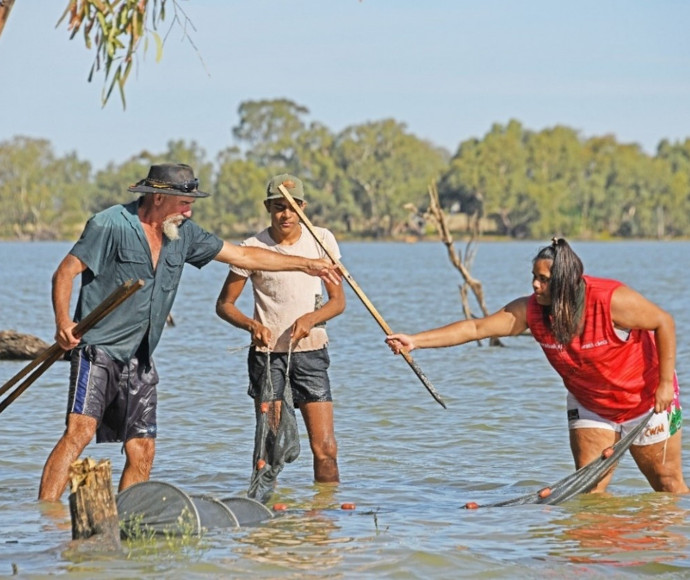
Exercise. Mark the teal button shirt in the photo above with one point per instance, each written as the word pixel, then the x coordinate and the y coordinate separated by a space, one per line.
pixel 114 248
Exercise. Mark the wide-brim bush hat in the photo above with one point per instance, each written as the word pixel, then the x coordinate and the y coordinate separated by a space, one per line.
pixel 169 178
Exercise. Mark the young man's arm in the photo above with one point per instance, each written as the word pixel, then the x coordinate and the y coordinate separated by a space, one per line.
pixel 228 311
pixel 335 306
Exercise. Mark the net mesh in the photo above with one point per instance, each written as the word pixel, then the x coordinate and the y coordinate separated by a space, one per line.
pixel 276 438
pixel 582 480
pixel 166 509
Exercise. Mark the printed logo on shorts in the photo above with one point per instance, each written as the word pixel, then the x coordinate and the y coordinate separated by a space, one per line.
pixel 655 430
pixel 573 414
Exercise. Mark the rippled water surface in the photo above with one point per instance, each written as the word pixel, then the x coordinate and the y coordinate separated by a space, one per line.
pixel 407 464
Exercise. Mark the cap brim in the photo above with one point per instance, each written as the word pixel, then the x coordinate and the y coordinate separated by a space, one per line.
pixel 147 189
pixel 280 196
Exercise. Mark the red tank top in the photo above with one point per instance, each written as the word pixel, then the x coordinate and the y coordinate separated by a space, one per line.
pixel 615 378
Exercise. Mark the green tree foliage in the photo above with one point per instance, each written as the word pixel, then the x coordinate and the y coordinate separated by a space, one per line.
pixel 387 168
pixel 554 161
pixel 358 180
pixel 362 180
pixel 277 136
pixel 491 177
pixel 553 182
pixel 270 131
pixel 676 214
pixel 238 195
pixel 42 195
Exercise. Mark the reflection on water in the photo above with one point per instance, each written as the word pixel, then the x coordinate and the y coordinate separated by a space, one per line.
pixel 407 464
pixel 288 540
pixel 278 543
pixel 56 515
pixel 624 531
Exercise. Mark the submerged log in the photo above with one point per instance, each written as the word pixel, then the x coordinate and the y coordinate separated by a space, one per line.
pixel 95 522
pixel 17 346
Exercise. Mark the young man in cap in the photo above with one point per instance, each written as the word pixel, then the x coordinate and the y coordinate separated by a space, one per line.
pixel 113 379
pixel 289 321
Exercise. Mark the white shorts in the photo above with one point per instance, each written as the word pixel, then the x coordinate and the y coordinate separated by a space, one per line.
pixel 660 427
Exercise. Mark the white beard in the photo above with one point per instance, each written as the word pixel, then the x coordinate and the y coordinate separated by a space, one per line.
pixel 171 228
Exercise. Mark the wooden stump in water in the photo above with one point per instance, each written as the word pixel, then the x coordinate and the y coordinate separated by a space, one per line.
pixel 95 522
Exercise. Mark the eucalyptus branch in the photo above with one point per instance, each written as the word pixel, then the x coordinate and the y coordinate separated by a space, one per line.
pixel 116 28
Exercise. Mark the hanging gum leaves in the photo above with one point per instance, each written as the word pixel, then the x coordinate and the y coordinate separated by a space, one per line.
pixel 115 28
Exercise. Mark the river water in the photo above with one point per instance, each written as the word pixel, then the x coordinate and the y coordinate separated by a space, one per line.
pixel 407 464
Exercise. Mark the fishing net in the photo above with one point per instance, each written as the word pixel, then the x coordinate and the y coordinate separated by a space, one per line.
pixel 165 509
pixel 582 480
pixel 157 506
pixel 247 511
pixel 276 438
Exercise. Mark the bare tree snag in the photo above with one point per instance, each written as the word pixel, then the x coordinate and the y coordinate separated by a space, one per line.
pixel 95 522
pixel 436 214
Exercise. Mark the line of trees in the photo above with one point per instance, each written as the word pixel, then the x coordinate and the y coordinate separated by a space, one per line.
pixel 363 180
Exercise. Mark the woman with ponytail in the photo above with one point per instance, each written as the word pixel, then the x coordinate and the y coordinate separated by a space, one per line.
pixel 614 349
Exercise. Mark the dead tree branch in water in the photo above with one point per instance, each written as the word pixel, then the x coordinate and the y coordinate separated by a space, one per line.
pixel 436 214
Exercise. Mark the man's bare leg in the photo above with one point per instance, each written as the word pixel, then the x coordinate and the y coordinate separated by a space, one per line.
pixel 80 431
pixel 139 455
pixel 318 418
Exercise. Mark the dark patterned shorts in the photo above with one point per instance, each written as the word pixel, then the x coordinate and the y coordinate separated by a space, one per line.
pixel 121 397
pixel 308 375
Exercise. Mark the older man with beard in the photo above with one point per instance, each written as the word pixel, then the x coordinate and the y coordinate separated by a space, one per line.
pixel 113 378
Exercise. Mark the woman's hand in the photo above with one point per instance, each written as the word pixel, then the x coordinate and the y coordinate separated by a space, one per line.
pixel 664 396
pixel 399 342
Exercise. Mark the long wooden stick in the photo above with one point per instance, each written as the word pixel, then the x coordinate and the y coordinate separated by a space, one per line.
pixel 96 314
pixel 367 303
pixel 54 352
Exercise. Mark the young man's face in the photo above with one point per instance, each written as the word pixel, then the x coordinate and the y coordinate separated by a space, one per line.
pixel 283 219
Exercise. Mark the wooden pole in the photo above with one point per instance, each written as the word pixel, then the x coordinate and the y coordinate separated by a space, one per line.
pixel 54 352
pixel 92 505
pixel 360 294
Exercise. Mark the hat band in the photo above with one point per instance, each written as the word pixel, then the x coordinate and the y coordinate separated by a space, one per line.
pixel 185 186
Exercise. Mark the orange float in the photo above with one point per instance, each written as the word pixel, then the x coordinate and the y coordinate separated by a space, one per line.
pixel 471 505
pixel 348 506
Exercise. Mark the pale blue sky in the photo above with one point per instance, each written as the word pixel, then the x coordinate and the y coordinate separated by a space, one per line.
pixel 449 69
